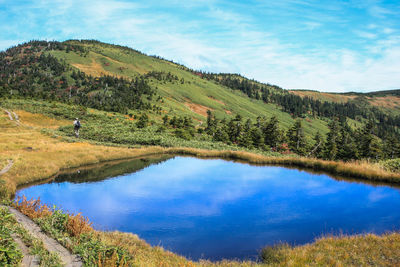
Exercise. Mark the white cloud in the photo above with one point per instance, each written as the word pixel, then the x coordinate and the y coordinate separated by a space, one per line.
pixel 368 35
pixel 388 30
pixel 312 25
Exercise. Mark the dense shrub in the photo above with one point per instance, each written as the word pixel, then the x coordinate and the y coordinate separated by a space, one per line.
pixel 392 165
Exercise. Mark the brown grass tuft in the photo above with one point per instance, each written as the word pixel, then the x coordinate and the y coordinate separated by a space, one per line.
pixel 32 208
pixel 78 224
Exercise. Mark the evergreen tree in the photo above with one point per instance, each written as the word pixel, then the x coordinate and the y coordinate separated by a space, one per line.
pixel 375 148
pixel 331 145
pixel 347 146
pixel 296 138
pixel 211 123
pixel 366 139
pixel 318 146
pixel 392 147
pixel 272 133
pixel 235 128
pixel 257 137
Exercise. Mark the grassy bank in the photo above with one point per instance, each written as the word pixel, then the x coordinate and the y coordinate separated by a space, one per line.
pixel 358 250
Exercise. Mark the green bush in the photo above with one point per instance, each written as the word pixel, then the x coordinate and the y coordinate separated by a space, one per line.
pixel 184 134
pixel 391 165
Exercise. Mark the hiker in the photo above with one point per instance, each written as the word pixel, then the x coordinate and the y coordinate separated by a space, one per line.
pixel 77 125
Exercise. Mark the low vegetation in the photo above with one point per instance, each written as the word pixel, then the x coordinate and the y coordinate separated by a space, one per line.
pixel 392 165
pixel 10 254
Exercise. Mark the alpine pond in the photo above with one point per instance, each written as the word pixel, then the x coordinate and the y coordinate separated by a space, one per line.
pixel 216 209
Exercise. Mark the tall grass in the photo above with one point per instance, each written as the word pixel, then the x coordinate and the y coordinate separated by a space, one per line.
pixel 357 250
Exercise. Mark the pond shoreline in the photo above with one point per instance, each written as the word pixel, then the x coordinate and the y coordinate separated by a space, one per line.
pixel 224 196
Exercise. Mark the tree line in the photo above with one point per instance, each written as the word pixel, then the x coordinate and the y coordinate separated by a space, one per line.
pixel 341 143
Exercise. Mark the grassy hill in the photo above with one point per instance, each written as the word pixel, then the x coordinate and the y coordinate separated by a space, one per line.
pixel 193 97
pixel 132 93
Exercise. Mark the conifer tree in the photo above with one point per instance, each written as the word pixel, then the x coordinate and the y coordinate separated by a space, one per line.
pixel 331 145
pixel 297 141
pixel 318 146
pixel 272 133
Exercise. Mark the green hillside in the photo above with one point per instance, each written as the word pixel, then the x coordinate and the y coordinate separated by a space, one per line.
pixel 191 98
pixel 125 97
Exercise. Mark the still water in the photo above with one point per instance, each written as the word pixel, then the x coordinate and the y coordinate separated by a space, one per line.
pixel 214 209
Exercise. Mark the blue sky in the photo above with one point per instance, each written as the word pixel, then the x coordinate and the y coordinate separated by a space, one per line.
pixel 321 45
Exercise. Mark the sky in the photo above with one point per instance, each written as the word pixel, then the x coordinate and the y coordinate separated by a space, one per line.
pixel 332 46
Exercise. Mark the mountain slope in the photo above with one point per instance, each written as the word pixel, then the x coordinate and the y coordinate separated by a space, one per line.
pixel 192 98
pixel 158 102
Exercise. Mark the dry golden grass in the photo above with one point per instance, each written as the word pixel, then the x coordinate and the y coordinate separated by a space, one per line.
pixel 3 162
pixel 146 255
pixel 392 102
pixel 337 98
pixel 39 121
pixel 94 68
pixel 359 250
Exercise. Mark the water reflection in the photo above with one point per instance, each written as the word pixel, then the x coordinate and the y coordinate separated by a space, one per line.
pixel 218 209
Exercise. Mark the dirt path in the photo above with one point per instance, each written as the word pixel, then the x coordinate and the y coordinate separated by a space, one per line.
pixel 50 244
pixel 28 260
pixel 9 114
pixel 12 116
pixel 7 168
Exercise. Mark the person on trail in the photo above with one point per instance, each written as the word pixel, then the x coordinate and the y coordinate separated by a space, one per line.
pixel 77 125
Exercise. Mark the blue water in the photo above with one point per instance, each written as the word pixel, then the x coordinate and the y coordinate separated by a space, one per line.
pixel 216 209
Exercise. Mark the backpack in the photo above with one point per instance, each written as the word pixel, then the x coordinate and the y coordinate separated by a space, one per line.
pixel 77 124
